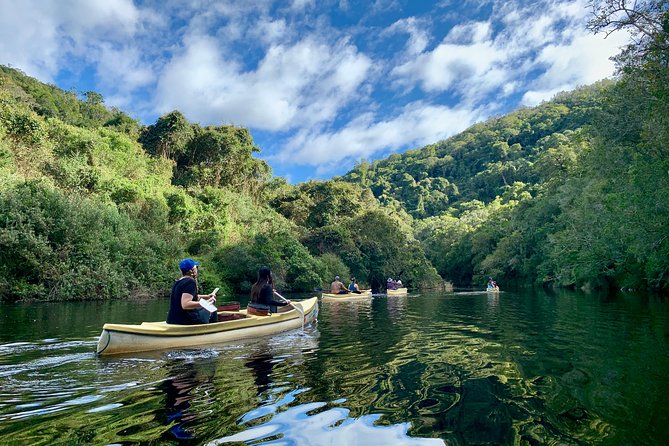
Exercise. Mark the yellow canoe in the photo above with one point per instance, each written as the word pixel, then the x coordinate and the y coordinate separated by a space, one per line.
pixel 365 294
pixel 397 292
pixel 492 289
pixel 119 338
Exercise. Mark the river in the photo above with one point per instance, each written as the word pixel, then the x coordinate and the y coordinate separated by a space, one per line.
pixel 457 368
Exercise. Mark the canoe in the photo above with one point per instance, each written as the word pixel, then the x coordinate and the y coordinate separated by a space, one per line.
pixel 397 292
pixel 119 338
pixel 366 294
pixel 492 289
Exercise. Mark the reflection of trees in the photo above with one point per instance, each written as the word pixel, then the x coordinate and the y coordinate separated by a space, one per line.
pixel 440 376
pixel 261 363
pixel 397 306
pixel 179 394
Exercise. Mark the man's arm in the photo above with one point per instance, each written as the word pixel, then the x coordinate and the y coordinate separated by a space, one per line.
pixel 187 302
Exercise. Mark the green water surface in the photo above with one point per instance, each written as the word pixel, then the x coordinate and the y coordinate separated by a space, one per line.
pixel 462 368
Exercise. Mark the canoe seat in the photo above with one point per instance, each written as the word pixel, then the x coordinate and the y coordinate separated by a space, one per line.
pixel 228 306
pixel 223 317
pixel 256 311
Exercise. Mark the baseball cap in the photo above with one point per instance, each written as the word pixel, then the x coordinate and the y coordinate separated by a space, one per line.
pixel 187 264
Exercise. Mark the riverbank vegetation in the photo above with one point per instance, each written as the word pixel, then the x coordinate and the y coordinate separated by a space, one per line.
pixel 572 192
pixel 95 205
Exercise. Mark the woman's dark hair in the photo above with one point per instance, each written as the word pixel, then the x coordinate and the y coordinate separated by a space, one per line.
pixel 264 278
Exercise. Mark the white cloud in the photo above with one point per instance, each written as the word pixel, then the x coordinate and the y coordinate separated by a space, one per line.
pixel 581 61
pixel 123 67
pixel 301 4
pixel 293 85
pixel 466 60
pixel 367 136
pixel 38 36
pixel 418 35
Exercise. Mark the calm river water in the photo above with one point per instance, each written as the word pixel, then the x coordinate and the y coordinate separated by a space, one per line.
pixel 525 368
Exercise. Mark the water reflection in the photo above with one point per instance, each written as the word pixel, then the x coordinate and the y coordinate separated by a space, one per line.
pixel 459 368
pixel 317 424
pixel 179 394
pixel 261 363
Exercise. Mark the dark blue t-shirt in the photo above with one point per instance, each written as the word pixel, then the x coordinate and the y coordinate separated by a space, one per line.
pixel 176 314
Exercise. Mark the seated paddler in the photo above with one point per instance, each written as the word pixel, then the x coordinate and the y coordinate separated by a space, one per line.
pixel 185 308
pixel 262 295
pixel 353 287
pixel 338 287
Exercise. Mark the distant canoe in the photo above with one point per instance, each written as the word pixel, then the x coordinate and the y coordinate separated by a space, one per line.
pixel 397 292
pixel 119 338
pixel 492 289
pixel 365 294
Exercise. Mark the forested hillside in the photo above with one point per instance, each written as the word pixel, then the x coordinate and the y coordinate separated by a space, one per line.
pixel 572 192
pixel 94 205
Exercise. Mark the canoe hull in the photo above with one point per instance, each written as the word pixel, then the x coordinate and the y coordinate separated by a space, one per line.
pixel 116 339
pixel 346 297
pixel 397 292
pixel 492 290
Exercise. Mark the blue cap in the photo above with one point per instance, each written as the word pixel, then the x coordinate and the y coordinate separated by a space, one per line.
pixel 187 264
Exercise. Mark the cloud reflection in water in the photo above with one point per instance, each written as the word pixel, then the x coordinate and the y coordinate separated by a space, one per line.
pixel 296 426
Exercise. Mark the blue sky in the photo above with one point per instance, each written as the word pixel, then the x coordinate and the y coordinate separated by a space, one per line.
pixel 321 84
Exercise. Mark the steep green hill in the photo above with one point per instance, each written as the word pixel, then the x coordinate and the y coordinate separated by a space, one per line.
pixel 483 161
pixel 571 193
pixel 93 205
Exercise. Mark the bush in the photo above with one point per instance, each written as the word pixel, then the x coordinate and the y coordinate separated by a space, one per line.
pixel 65 247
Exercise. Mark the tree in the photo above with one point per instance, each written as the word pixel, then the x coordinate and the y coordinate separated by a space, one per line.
pixel 646 20
pixel 168 137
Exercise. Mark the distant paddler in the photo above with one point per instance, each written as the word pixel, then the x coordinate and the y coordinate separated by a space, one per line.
pixel 338 287
pixel 492 285
pixel 353 287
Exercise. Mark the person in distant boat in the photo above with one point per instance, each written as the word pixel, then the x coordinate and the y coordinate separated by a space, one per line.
pixel 390 284
pixel 338 287
pixel 184 306
pixel 398 284
pixel 262 294
pixel 353 287
pixel 491 283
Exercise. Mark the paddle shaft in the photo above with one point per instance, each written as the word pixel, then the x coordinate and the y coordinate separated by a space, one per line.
pixel 299 310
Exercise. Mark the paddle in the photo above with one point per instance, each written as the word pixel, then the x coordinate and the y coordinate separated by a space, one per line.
pixel 299 309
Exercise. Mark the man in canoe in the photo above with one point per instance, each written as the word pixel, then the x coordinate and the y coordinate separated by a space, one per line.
pixel 185 308
pixel 338 287
pixel 390 284
pixel 353 287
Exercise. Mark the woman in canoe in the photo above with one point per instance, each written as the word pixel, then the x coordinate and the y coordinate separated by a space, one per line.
pixel 262 294
pixel 185 308
pixel 353 287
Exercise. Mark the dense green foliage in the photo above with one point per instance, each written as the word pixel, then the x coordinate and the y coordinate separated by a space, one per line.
pixel 95 206
pixel 572 192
